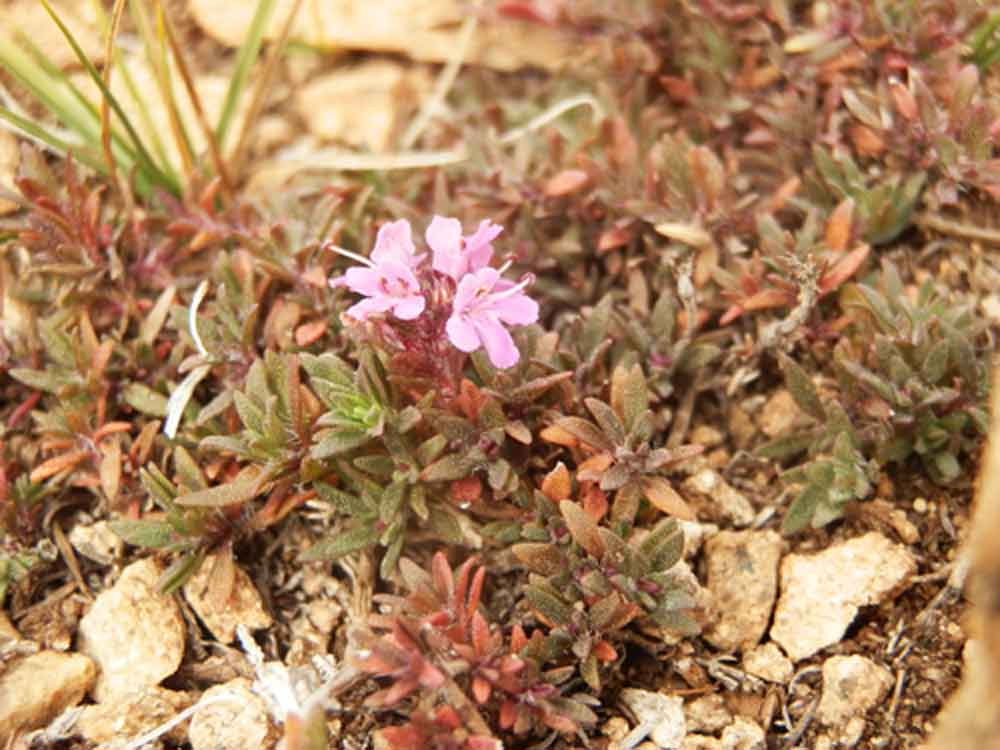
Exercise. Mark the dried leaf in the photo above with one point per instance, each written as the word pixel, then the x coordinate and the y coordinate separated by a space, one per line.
pixel 582 528
pixel 566 182
pixel 665 498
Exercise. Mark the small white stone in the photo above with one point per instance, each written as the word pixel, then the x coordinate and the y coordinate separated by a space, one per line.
pixel 238 722
pixel 768 663
pixel 134 633
pixel 660 717
pixel 821 593
pixel 695 533
pixel 707 714
pixel 243 606
pixel 701 742
pixel 851 686
pixel 779 415
pixel 731 504
pixel 135 715
pixel 615 728
pixel 852 733
pixel 37 688
pixel 743 579
pixel 743 734
pixel 96 542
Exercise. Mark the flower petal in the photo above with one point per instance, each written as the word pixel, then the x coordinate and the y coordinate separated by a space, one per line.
pixel 444 236
pixel 478 250
pixel 462 334
pixel 369 306
pixel 362 281
pixel 395 242
pixel 409 308
pixel 498 342
pixel 518 309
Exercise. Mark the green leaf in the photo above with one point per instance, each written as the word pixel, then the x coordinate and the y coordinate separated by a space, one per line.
pixel 663 546
pixel 786 447
pixel 342 543
pixel 802 509
pixel 231 493
pixel 609 422
pixel 449 468
pixel 548 602
pixel 152 534
pixel 540 557
pixel 801 387
pixel 337 442
pixel 348 504
pixel 531 391
pixel 180 572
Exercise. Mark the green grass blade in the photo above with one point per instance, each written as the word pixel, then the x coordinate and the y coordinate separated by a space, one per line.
pixel 245 59
pixel 156 143
pixel 48 91
pixel 143 158
pixel 33 131
pixel 125 156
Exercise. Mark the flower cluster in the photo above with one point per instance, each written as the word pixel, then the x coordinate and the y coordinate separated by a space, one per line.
pixel 459 296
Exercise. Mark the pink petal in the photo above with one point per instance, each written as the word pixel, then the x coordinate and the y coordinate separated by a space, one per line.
pixel 409 308
pixel 370 305
pixel 498 342
pixel 478 250
pixel 517 310
pixel 394 242
pixel 362 281
pixel 444 236
pixel 465 294
pixel 462 334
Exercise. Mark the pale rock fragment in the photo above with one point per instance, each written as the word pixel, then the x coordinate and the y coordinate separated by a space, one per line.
pixel 243 605
pixel 233 718
pixel 707 714
pixel 731 504
pixel 743 580
pixel 364 105
pixel 821 593
pixel 34 690
pixel 660 717
pixel 97 542
pixel 695 533
pixel 7 630
pixel 701 742
pixel 425 30
pixel 768 663
pixel 134 715
pixel 134 633
pixel 743 734
pixel 851 686
pixel 779 415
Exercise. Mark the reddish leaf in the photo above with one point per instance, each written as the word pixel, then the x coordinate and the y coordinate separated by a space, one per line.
pixel 567 182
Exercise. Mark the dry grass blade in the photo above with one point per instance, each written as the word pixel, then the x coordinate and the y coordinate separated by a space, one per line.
pixel 116 18
pixel 199 110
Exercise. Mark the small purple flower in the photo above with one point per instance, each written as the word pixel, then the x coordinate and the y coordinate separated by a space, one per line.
pixel 483 304
pixel 455 255
pixel 388 279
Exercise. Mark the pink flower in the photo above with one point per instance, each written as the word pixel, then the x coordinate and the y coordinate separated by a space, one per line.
pixel 388 279
pixel 456 256
pixel 483 304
